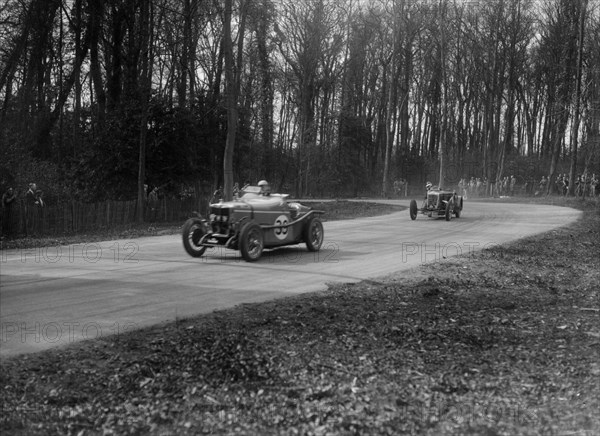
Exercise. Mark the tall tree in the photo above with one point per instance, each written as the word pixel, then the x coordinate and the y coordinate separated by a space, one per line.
pixel 562 35
pixel 144 93
pixel 577 97
pixel 233 71
pixel 391 94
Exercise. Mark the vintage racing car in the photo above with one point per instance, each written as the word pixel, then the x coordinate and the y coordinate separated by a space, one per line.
pixel 439 202
pixel 253 222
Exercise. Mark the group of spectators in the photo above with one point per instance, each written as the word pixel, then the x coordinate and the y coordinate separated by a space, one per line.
pixel 474 187
pixel 33 202
pixel 585 185
pixel 507 186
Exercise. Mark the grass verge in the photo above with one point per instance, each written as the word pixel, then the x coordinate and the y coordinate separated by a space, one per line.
pixel 503 341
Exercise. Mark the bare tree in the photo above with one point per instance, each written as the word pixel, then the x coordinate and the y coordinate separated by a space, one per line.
pixel 146 14
pixel 577 97
pixel 232 88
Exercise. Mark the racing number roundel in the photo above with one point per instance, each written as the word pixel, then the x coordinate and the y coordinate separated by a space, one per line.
pixel 281 232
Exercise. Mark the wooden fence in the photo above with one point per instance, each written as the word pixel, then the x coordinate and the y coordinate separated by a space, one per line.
pixel 75 217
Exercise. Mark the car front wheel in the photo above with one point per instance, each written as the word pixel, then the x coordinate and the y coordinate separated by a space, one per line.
pixel 251 242
pixel 449 207
pixel 313 234
pixel 193 231
pixel 413 210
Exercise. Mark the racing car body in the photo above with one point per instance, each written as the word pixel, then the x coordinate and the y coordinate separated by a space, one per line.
pixel 253 222
pixel 437 203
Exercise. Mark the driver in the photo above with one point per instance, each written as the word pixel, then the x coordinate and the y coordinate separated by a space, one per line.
pixel 265 188
pixel 428 186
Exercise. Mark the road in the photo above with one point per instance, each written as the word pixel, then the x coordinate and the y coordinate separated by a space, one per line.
pixel 57 295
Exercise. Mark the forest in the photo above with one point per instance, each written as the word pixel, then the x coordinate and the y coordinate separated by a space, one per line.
pixel 108 99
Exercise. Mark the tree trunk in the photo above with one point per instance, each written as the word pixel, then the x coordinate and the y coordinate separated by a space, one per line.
pixel 145 89
pixel 577 103
pixel 232 86
pixel 186 45
pixel 96 19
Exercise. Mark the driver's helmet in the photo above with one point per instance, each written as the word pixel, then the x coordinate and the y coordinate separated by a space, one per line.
pixel 265 188
pixel 428 185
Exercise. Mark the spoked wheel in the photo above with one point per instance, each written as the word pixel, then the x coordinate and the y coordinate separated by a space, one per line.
pixel 193 231
pixel 449 207
pixel 413 210
pixel 313 234
pixel 251 242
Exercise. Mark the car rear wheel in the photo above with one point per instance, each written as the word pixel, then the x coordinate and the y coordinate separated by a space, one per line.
pixel 313 234
pixel 193 231
pixel 251 242
pixel 413 210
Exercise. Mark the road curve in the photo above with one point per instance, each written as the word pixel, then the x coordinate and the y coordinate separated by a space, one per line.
pixel 57 295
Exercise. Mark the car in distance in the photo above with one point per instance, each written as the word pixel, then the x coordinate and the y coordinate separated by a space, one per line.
pixel 252 222
pixel 438 203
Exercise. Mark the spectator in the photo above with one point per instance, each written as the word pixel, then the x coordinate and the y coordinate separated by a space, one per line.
pixel 30 196
pixel 542 186
pixel 8 198
pixel 579 185
pixel 218 195
pixel 152 204
pixel 543 182
pixel 38 197
pixel 33 208
pixel 8 201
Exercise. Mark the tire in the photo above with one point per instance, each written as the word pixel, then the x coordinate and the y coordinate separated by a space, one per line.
pixel 458 209
pixel 413 210
pixel 251 242
pixel 313 234
pixel 193 231
pixel 449 207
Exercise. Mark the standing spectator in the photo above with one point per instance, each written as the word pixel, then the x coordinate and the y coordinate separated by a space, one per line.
pixel 30 195
pixel 579 186
pixel 542 186
pixel 560 183
pixel 38 196
pixel 33 207
pixel 8 201
pixel 587 185
pixel 565 184
pixel 8 198
pixel 594 185
pixel 462 187
pixel 152 204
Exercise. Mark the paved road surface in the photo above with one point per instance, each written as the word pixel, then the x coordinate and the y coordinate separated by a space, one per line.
pixel 61 294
